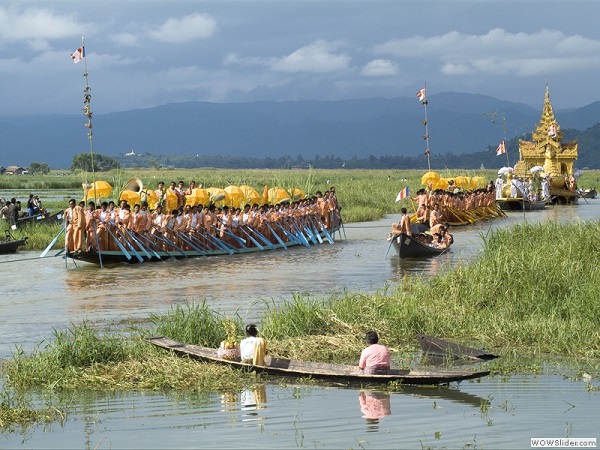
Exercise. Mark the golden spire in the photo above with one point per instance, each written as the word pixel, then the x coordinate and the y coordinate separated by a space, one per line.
pixel 547 128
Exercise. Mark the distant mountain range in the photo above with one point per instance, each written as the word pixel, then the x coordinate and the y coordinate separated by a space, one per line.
pixel 458 124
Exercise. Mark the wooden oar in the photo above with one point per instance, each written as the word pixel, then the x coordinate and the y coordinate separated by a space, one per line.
pixel 45 252
pixel 262 237
pixel 139 244
pixel 129 244
pixel 97 244
pixel 389 246
pixel 324 230
pixel 240 240
pixel 292 236
pixel 125 252
pixel 150 244
pixel 189 240
pixel 163 239
pixel 254 241
pixel 276 235
pixel 218 243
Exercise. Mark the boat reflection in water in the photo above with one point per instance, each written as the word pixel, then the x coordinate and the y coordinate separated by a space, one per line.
pixel 253 400
pixel 248 401
pixel 374 405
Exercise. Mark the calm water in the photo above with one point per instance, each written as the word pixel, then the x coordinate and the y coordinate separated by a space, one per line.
pixel 42 295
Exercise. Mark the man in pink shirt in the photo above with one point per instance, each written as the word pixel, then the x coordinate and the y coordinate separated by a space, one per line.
pixel 375 359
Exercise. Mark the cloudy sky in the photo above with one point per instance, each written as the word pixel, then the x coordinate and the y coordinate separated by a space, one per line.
pixel 143 53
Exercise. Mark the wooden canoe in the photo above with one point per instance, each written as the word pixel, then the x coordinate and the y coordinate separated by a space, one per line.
pixel 439 348
pixel 409 247
pixel 45 218
pixel 322 371
pixel 11 245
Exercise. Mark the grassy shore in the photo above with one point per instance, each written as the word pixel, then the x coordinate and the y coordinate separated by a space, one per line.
pixel 525 297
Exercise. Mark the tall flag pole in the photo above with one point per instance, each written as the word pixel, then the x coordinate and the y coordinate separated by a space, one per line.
pixel 423 99
pixel 77 56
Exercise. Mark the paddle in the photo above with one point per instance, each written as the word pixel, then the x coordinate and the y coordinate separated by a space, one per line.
pixel 267 242
pixel 139 244
pixel 45 252
pixel 97 244
pixel 290 236
pixel 187 241
pixel 252 239
pixel 324 230
pixel 149 244
pixel 129 244
pixel 389 246
pixel 276 235
pixel 125 252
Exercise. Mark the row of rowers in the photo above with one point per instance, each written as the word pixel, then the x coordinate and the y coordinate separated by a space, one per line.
pixel 461 201
pixel 95 225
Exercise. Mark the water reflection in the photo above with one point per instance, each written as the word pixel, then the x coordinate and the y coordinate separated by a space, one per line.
pixel 252 401
pixel 244 406
pixel 374 405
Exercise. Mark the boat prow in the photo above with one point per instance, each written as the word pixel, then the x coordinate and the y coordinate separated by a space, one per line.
pixel 322 371
pixel 439 348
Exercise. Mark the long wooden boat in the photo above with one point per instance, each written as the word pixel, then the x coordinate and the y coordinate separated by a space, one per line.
pixel 520 204
pixel 11 245
pixel 440 348
pixel 322 371
pixel 409 247
pixel 136 248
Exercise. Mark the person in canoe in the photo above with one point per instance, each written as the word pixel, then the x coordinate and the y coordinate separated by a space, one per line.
pixel 402 227
pixel 253 349
pixel 375 358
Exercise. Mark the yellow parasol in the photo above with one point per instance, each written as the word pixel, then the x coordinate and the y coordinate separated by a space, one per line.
pixel 149 197
pixel 478 182
pixel 442 183
pixel 298 194
pixel 265 195
pixel 130 197
pixel 250 194
pixel 278 195
pixel 198 197
pixel 217 195
pixel 171 201
pixel 463 182
pixel 98 189
pixel 235 196
pixel 430 178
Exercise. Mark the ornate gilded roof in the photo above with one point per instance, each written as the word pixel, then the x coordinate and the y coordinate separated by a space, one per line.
pixel 546 148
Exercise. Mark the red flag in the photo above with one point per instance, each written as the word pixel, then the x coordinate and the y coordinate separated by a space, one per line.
pixel 501 149
pixel 421 95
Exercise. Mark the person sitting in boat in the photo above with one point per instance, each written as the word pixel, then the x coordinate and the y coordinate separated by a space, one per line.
pixel 375 358
pixel 437 241
pixel 402 227
pixel 423 214
pixel 447 238
pixel 253 349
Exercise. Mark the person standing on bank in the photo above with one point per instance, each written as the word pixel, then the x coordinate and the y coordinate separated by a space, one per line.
pixel 253 348
pixel 375 358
